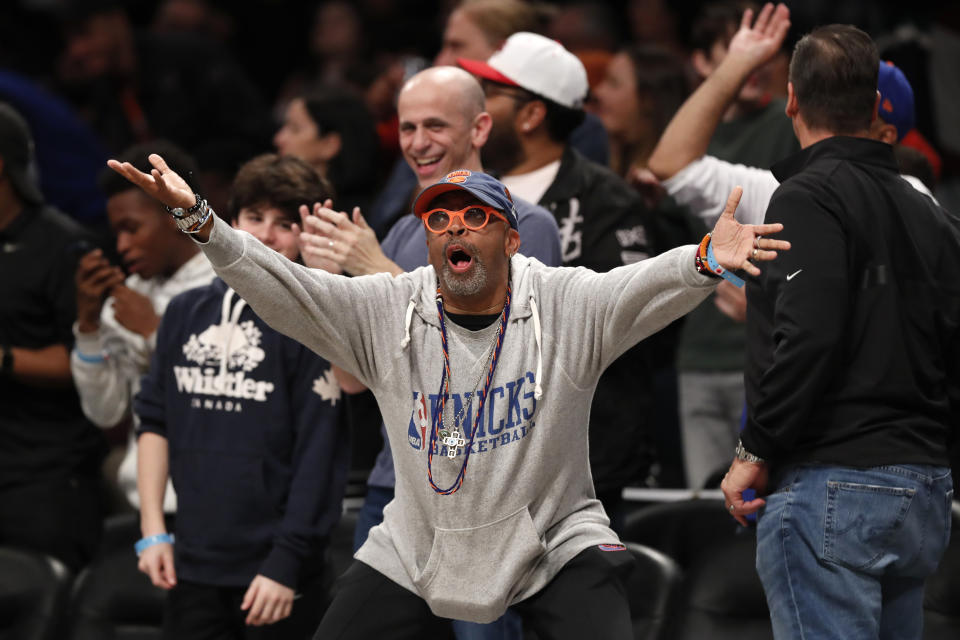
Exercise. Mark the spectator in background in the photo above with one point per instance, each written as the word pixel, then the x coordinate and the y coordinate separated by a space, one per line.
pixel 475 30
pixel 50 454
pixel 117 317
pixel 136 87
pixel 228 395
pixel 643 87
pixel 69 155
pixel 334 133
pixel 753 131
pixel 535 90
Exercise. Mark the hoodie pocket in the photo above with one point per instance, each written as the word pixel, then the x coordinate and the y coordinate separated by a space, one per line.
pixel 472 574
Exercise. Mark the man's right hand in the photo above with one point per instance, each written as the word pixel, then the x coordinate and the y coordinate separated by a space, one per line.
pixel 94 278
pixel 753 46
pixel 157 562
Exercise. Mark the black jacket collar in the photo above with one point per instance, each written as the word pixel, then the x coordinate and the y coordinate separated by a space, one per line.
pixel 860 150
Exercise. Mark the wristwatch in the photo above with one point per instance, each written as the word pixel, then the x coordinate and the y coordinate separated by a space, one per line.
pixel 189 220
pixel 746 456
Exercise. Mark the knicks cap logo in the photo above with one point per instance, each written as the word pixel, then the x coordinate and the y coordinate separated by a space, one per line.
pixel 456 177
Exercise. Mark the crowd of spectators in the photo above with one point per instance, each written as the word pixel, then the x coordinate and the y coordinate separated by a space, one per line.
pixel 82 81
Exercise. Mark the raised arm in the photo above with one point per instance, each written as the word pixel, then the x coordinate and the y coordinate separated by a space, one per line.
pixel 687 136
pixel 328 313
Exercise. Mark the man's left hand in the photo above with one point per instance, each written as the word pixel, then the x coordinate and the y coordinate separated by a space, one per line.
pixel 267 601
pixel 744 475
pixel 134 311
pixel 735 245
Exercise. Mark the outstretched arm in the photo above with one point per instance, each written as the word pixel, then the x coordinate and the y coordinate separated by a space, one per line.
pixel 328 313
pixel 687 136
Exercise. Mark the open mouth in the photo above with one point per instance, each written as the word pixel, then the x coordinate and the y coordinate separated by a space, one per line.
pixel 458 258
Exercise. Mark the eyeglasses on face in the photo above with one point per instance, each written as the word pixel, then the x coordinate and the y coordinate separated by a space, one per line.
pixel 473 217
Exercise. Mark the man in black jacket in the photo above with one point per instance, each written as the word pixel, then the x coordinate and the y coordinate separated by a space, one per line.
pixel 535 91
pixel 851 376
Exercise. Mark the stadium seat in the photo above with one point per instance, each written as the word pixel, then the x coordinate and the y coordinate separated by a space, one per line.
pixel 941 603
pixel 652 590
pixel 33 592
pixel 720 595
pixel 111 599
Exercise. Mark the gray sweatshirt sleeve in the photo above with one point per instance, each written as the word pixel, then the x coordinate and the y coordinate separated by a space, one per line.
pixel 604 314
pixel 330 314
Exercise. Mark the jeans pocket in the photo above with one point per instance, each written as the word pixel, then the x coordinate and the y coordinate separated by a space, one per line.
pixel 862 523
pixel 471 574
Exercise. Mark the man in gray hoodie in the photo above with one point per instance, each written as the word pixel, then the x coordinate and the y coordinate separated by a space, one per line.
pixel 486 356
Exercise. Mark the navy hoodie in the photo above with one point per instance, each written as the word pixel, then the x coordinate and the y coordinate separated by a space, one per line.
pixel 256 457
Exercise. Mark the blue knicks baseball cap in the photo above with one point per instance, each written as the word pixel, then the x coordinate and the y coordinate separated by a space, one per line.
pixel 896 98
pixel 486 188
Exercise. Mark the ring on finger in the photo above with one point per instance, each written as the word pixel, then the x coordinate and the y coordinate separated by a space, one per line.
pixel 331 244
pixel 755 253
pixel 756 241
pixel 731 508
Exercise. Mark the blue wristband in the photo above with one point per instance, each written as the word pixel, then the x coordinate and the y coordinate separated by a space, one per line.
pixel 160 538
pixel 719 270
pixel 92 359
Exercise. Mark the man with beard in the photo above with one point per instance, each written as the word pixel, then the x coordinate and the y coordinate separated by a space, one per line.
pixel 535 91
pixel 443 126
pixel 496 364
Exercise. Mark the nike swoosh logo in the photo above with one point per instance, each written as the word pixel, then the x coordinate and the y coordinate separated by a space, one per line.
pixel 794 274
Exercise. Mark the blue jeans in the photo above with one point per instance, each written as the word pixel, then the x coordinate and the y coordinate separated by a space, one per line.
pixel 843 553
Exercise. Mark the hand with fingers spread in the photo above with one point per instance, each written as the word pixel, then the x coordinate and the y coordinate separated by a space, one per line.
pixel 267 601
pixel 162 184
pixel 95 278
pixel 157 562
pixel 331 237
pixel 753 45
pixel 738 246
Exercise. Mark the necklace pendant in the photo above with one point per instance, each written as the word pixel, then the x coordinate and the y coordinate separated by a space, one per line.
pixel 454 442
pixel 444 434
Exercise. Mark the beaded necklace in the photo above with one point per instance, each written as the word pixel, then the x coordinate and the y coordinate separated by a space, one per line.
pixel 453 439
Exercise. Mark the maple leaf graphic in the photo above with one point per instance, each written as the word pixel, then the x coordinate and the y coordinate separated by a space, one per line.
pixel 327 387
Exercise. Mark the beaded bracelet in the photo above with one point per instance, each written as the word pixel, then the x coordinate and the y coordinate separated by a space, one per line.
pixel 707 263
pixel 149 541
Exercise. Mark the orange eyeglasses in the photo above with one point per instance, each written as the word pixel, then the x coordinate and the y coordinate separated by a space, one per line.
pixel 474 217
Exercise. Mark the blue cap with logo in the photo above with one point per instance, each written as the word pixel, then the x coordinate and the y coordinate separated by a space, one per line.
pixel 486 188
pixel 896 98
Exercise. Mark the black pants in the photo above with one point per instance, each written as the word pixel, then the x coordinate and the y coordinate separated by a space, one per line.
pixel 204 612
pixel 586 599
pixel 61 517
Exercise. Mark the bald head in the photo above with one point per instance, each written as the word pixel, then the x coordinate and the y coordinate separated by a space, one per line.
pixel 443 122
pixel 454 82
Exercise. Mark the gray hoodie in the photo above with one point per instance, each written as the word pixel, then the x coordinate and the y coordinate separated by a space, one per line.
pixel 527 504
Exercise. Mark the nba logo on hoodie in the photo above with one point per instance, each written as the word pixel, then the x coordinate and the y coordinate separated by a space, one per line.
pixel 417 429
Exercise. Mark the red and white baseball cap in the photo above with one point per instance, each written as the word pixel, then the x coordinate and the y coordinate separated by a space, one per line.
pixel 539 65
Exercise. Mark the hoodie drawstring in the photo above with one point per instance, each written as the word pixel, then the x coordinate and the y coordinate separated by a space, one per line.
pixel 406 323
pixel 233 318
pixel 538 388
